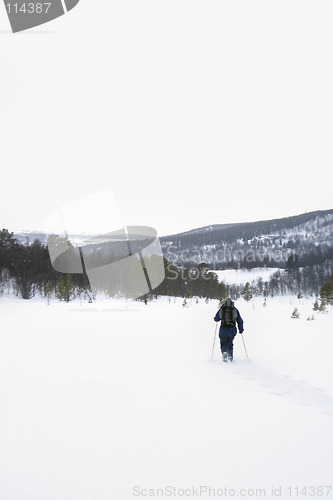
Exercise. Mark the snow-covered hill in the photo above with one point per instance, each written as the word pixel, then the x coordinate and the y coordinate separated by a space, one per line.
pixel 118 400
pixel 256 244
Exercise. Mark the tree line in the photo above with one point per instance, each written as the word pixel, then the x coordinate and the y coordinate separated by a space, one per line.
pixel 26 271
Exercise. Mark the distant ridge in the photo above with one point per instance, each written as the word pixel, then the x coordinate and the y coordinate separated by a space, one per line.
pixel 290 221
pixel 261 243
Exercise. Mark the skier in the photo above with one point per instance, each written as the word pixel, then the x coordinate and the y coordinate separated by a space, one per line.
pixel 229 316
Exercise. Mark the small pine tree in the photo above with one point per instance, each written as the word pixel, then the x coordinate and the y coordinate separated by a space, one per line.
pixel 326 291
pixel 295 313
pixel 316 306
pixel 65 289
pixel 322 307
pixel 247 293
pixel 48 291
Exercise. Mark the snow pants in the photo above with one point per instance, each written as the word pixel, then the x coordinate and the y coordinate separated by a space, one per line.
pixel 227 345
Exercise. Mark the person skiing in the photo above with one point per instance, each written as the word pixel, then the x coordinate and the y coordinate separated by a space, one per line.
pixel 229 316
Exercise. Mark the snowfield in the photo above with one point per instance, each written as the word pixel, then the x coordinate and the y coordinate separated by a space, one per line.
pixel 242 276
pixel 118 400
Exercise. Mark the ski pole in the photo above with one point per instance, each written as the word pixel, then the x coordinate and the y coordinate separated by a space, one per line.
pixel 214 340
pixel 244 345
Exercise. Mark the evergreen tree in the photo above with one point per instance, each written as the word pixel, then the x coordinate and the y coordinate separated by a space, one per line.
pixel 295 313
pixel 316 306
pixel 48 289
pixel 65 289
pixel 326 291
pixel 247 293
pixel 6 239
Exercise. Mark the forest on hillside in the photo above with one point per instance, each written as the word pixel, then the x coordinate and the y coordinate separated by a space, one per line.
pixel 255 244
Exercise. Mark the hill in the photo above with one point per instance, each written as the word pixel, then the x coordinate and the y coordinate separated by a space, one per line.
pixel 255 244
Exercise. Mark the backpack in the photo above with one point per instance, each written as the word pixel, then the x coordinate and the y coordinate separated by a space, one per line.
pixel 228 314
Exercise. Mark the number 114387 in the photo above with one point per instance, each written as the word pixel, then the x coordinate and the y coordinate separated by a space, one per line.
pixel 28 8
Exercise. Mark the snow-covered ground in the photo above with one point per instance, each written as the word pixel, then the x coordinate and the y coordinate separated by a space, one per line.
pixel 119 400
pixel 241 276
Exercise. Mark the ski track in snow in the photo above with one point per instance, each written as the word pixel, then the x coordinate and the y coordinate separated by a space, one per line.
pixel 280 384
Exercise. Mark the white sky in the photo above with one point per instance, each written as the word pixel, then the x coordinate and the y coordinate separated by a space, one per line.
pixel 193 113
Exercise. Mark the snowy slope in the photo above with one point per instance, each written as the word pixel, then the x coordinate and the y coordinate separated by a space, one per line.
pixel 309 235
pixel 120 400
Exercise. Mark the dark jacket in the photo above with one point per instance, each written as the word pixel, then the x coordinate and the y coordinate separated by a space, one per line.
pixel 226 331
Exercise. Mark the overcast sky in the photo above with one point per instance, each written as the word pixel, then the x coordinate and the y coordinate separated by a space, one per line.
pixel 193 113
